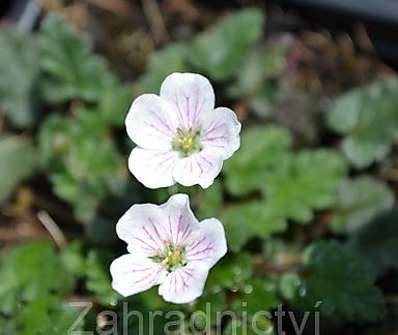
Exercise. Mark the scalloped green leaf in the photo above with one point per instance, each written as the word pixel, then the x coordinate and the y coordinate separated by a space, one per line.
pixel 98 277
pixel 19 68
pixel 368 119
pixel 29 272
pixel 71 70
pixel 262 151
pixel 230 272
pixel 81 174
pixel 221 51
pixel 358 201
pixel 307 181
pixel 377 242
pixel 163 62
pixel 18 161
pixel 339 282
pixel 248 220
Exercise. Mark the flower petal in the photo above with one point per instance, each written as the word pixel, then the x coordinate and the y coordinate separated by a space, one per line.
pixel 151 122
pixel 208 244
pixel 141 228
pixel 199 168
pixel 181 220
pixel 184 284
pixel 132 274
pixel 220 131
pixel 153 168
pixel 191 94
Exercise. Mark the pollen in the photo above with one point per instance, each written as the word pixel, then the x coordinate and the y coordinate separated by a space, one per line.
pixel 172 257
pixel 187 142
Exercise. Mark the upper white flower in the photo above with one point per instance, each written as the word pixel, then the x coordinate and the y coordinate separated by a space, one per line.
pixel 180 137
pixel 168 247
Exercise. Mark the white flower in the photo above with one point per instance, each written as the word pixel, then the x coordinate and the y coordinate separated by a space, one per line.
pixel 168 247
pixel 180 137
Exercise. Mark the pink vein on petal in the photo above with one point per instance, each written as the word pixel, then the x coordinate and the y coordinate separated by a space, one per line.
pixel 151 237
pixel 160 130
pixel 156 231
pixel 213 127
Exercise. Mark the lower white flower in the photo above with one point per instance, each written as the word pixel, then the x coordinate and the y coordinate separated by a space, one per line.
pixel 180 136
pixel 168 247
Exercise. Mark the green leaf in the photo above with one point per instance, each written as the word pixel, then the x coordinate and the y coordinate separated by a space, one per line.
pixel 221 51
pixel 207 308
pixel 367 117
pixel 82 174
pixel 72 259
pixel 114 104
pixel 29 272
pixel 252 219
pixel 230 272
pixel 341 282
pixel 377 242
pixel 263 324
pixel 48 316
pixel 98 278
pixel 289 285
pixel 257 294
pixel 210 200
pixel 262 151
pixel 19 70
pixel 171 58
pixel 71 69
pixel 358 201
pixel 305 182
pixel 255 78
pixel 265 100
pixel 17 162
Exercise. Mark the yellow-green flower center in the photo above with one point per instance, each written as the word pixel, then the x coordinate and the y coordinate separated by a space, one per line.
pixel 186 142
pixel 171 257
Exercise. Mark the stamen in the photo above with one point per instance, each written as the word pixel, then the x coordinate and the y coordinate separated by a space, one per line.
pixel 171 257
pixel 187 142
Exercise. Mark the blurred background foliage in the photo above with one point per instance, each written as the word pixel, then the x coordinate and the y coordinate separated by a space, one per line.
pixel 307 202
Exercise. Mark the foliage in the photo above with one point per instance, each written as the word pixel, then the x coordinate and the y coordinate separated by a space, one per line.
pixel 257 78
pixel 31 302
pixel 307 181
pixel 377 242
pixel 262 150
pixel 220 51
pixel 358 201
pixel 82 174
pixel 340 283
pixel 71 70
pixel 162 63
pixel 251 219
pixel 281 201
pixel 18 161
pixel 19 71
pixel 98 279
pixel 368 118
pixel 292 184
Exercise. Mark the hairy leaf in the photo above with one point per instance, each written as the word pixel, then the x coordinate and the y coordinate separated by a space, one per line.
pixel 161 63
pixel 18 161
pixel 341 283
pixel 358 201
pixel 81 174
pixel 248 220
pixel 377 242
pixel 72 70
pixel 368 118
pixel 19 68
pixel 262 151
pixel 306 181
pixel 221 51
